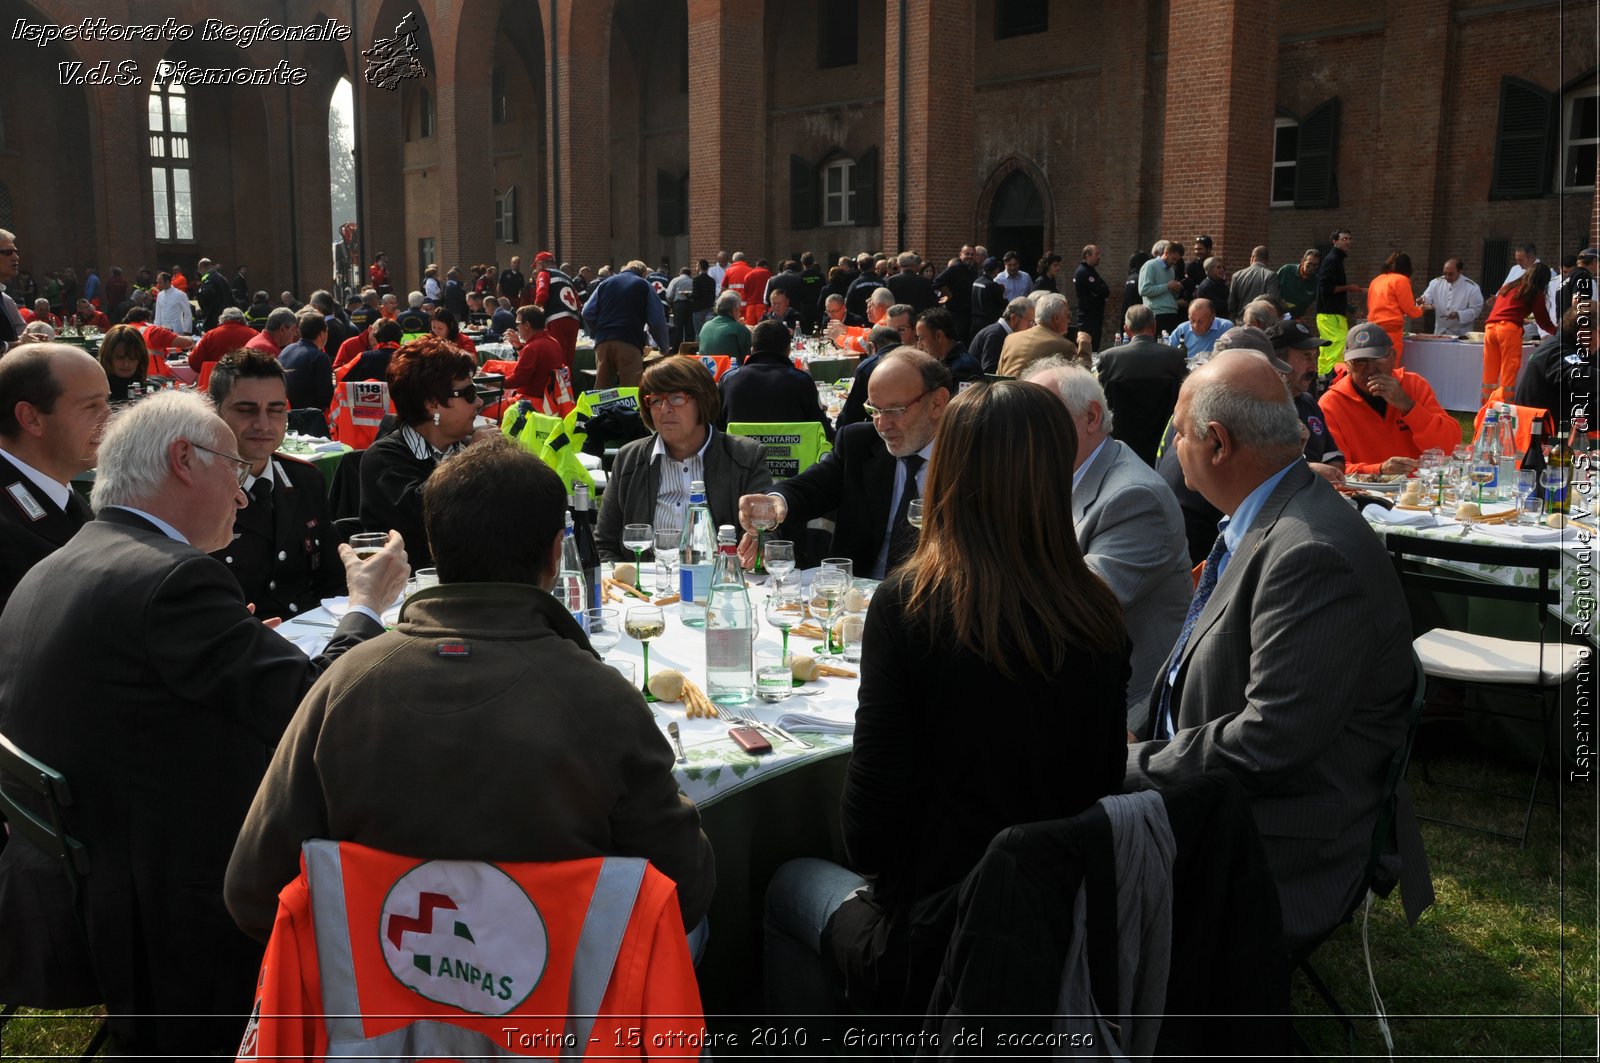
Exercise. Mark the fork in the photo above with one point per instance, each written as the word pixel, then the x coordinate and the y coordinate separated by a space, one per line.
pixel 772 729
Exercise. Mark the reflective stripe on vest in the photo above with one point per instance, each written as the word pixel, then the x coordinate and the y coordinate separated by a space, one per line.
pixel 611 904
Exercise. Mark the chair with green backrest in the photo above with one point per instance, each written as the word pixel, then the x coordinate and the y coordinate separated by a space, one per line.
pixel 43 824
pixel 792 448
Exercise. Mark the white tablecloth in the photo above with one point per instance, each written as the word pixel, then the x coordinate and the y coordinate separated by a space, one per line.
pixel 716 767
pixel 1453 367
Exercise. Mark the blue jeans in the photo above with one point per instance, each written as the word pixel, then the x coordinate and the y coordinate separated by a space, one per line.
pixel 803 895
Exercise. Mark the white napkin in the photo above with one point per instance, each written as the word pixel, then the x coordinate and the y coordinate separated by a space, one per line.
pixel 835 721
pixel 1414 518
pixel 1529 533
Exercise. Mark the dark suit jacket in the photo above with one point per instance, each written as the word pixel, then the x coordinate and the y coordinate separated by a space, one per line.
pixel 855 478
pixel 286 556
pixel 733 466
pixel 1141 380
pixel 768 389
pixel 987 343
pixel 913 289
pixel 129 663
pixel 1298 679
pixel 24 540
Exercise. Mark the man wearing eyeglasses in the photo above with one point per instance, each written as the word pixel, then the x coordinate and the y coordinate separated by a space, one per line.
pixel 872 474
pixel 11 323
pixel 129 662
pixel 284 552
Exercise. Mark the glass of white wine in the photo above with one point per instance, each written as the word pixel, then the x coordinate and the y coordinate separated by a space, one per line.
pixel 646 622
pixel 638 538
pixel 914 513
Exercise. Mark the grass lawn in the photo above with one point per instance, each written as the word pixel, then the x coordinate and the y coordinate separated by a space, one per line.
pixel 1503 965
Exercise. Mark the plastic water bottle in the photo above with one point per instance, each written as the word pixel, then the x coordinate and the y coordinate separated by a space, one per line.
pixel 696 552
pixel 730 627
pixel 1486 451
pixel 569 590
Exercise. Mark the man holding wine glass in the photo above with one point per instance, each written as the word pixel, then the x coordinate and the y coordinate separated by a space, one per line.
pixel 872 475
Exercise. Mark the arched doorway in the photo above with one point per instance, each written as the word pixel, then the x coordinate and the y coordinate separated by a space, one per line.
pixel 1016 219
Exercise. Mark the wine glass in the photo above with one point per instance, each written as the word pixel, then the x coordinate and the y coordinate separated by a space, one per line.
pixel 1481 472
pixel 638 538
pixel 667 542
pixel 763 519
pixel 1526 484
pixel 1552 480
pixel 779 557
pixel 840 564
pixel 605 629
pixel 785 608
pixel 646 622
pixel 914 513
pixel 827 596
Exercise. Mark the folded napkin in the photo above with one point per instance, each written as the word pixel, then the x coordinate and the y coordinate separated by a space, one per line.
pixel 836 721
pixel 1529 533
pixel 1414 518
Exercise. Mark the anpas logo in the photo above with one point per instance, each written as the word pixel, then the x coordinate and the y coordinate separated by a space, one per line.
pixel 463 933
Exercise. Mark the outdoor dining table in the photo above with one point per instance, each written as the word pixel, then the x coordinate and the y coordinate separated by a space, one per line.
pixel 1452 367
pixel 758 811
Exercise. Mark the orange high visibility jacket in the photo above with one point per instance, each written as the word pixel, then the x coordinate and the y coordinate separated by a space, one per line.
pixel 1369 440
pixel 378 954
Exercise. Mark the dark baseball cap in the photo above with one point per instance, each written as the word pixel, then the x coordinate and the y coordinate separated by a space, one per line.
pixel 1294 334
pixel 1367 340
pixel 991 263
pixel 1250 338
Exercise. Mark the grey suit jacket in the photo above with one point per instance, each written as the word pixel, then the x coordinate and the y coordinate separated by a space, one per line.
pixel 1297 678
pixel 1131 532
pixel 734 466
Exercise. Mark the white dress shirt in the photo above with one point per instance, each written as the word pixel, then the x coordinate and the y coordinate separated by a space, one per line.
pixel 1463 298
pixel 173 311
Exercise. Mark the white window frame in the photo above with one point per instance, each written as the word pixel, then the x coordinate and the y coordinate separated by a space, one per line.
pixel 838 204
pixel 505 216
pixel 1590 90
pixel 1289 164
pixel 171 185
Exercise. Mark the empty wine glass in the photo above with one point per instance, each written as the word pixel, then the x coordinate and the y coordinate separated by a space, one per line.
pixel 1552 479
pixel 646 622
pixel 779 557
pixel 667 542
pixel 605 629
pixel 1526 484
pixel 828 588
pixel 638 538
pixel 785 608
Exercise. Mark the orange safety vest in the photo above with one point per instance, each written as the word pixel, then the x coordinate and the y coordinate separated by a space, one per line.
pixel 374 954
pixel 359 407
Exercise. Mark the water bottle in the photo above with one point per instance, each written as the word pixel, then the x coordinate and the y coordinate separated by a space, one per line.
pixel 569 589
pixel 730 627
pixel 1506 480
pixel 696 552
pixel 1486 452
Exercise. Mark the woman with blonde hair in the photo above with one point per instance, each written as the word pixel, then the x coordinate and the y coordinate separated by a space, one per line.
pixel 996 606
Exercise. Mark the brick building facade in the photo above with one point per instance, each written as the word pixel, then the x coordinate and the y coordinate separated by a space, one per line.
pixel 611 129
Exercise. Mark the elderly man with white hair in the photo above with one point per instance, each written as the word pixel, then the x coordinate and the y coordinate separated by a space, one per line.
pixel 1128 525
pixel 1048 337
pixel 163 737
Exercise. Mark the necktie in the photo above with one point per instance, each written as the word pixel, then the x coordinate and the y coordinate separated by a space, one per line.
pixel 1202 594
pixel 261 494
pixel 902 536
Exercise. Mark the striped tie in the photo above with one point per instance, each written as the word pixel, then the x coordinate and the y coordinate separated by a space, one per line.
pixel 1159 723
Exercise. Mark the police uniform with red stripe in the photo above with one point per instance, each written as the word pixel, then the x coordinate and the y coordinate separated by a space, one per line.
pixel 32 526
pixel 285 552
pixel 554 294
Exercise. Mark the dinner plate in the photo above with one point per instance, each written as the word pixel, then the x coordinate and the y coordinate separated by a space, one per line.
pixel 1375 485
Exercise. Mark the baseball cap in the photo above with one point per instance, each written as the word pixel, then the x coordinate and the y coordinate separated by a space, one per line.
pixel 542 255
pixel 1293 334
pixel 991 263
pixel 1589 253
pixel 1367 340
pixel 1250 338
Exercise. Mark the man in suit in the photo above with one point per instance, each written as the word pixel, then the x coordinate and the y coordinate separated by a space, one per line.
pixel 872 473
pixel 989 341
pixel 1128 526
pixel 911 287
pixel 11 323
pixel 163 738
pixel 1250 685
pixel 1142 378
pixel 215 294
pixel 284 553
pixel 1052 320
pixel 53 409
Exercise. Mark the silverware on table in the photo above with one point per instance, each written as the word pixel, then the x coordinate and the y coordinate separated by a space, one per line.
pixel 677 740
pixel 770 728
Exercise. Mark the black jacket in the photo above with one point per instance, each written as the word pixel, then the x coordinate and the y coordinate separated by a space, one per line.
pixel 32 528
pixel 1141 380
pixel 915 290
pixel 392 478
pixel 286 555
pixel 770 390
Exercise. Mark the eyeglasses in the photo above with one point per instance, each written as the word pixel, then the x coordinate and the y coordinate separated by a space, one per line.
pixel 242 466
pixel 675 400
pixel 876 412
pixel 470 393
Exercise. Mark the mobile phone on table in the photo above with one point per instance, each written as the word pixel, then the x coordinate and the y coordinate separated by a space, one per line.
pixel 749 740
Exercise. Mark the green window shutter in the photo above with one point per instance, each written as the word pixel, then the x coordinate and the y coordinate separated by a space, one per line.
pixel 864 183
pixel 802 194
pixel 1524 141
pixel 1316 165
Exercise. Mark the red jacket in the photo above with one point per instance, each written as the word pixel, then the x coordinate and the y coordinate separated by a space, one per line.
pixel 1369 440
pixel 373 953
pixel 228 336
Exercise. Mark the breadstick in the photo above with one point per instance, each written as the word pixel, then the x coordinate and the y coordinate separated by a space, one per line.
pixel 669 599
pixel 838 673
pixel 626 588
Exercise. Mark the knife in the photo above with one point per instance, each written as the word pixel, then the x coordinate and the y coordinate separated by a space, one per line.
pixel 773 728
pixel 672 729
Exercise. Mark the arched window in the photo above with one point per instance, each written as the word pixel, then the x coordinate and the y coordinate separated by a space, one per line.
pixel 172 207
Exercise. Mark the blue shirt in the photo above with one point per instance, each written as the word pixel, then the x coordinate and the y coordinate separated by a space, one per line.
pixel 1200 342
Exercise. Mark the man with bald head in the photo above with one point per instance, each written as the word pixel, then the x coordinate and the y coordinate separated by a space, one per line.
pixel 53 408
pixel 1251 686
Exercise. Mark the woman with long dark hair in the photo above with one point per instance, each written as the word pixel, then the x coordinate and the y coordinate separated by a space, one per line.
pixel 125 358
pixel 1502 332
pixel 1390 301
pixel 1044 279
pixel 996 607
